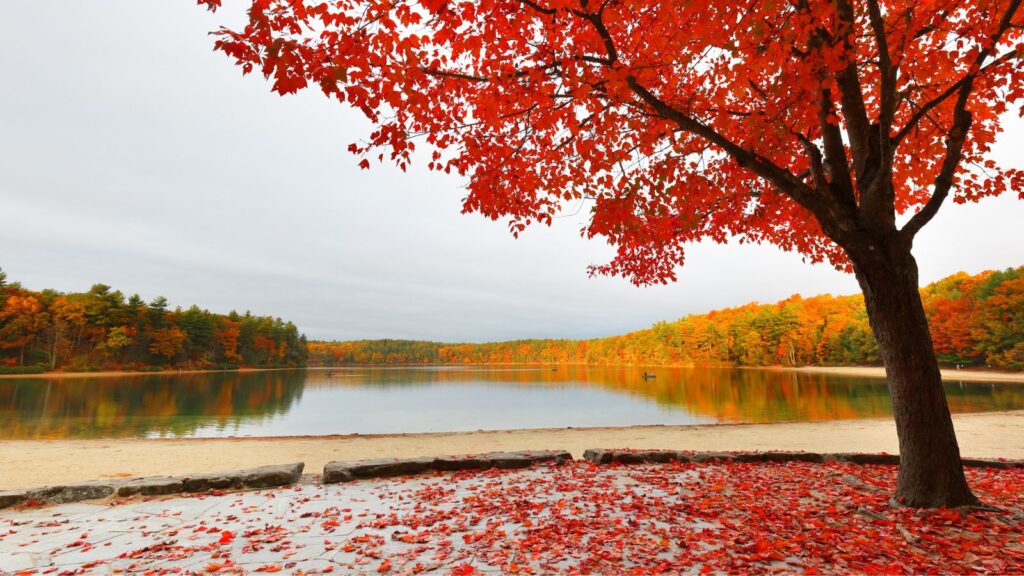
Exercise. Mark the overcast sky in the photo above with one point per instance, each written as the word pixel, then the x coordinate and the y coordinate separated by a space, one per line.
pixel 131 154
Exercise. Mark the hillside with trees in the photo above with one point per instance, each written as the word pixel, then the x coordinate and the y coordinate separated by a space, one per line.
pixel 975 321
pixel 103 329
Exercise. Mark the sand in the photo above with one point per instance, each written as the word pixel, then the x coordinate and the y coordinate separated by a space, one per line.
pixel 950 374
pixel 37 462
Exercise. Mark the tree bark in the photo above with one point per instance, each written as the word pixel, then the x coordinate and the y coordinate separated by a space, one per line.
pixel 931 473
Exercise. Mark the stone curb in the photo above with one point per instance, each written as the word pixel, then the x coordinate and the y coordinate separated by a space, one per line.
pixel 262 477
pixel 603 456
pixel 335 472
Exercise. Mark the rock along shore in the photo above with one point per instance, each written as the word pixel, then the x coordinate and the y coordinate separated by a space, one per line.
pixel 349 471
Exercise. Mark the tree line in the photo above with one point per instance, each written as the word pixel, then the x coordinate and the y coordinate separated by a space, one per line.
pixel 103 329
pixel 975 321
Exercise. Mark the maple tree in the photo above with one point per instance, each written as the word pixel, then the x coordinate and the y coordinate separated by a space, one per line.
pixel 809 124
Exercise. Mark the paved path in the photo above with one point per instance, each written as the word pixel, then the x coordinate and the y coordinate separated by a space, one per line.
pixel 748 518
pixel 356 528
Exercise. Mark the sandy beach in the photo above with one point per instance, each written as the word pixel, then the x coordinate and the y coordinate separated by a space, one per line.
pixel 950 374
pixel 38 462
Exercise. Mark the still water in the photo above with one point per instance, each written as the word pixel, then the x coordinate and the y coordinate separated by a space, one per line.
pixel 448 398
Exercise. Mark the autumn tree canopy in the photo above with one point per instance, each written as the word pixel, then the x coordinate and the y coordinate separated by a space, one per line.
pixel 809 124
pixel 680 121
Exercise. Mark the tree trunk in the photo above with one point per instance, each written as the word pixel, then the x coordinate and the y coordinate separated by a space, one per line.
pixel 931 473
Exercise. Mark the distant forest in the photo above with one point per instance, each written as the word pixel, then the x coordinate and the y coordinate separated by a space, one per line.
pixel 102 329
pixel 975 321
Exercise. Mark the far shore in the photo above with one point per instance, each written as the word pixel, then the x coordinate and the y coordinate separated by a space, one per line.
pixel 30 463
pixel 109 373
pixel 951 374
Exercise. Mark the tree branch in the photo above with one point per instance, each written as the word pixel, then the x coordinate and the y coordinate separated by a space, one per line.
pixel 957 134
pixel 833 216
pixel 944 181
pixel 835 153
pixel 878 195
pixel 817 170
pixel 885 67
pixel 858 125
pixel 780 177
pixel 455 75
pixel 927 107
pixel 538 7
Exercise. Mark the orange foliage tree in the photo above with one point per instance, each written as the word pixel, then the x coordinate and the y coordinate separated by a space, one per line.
pixel 808 124
pixel 167 343
pixel 21 319
pixel 1001 324
pixel 46 329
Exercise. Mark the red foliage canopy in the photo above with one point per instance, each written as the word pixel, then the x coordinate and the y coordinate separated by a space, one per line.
pixel 789 122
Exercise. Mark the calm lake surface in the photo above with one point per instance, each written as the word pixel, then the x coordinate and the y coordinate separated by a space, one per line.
pixel 448 398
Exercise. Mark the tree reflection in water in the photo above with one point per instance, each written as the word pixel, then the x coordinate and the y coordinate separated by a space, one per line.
pixel 725 394
pixel 137 406
pixel 219 404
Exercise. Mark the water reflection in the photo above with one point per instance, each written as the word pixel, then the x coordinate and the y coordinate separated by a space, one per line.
pixel 138 406
pixel 389 400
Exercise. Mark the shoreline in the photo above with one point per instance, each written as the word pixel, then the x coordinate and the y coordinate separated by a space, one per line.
pixel 46 462
pixel 948 374
pixel 120 373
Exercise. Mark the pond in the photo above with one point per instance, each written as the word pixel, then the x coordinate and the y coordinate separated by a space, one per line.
pixel 385 400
